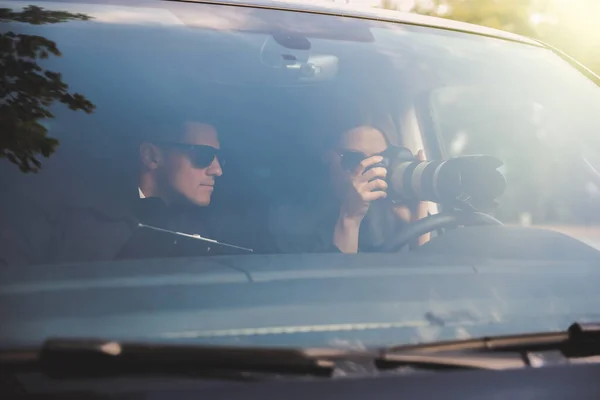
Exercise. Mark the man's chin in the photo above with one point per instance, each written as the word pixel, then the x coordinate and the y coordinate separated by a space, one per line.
pixel 201 202
pixel 194 201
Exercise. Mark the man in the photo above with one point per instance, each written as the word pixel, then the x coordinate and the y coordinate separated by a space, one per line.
pixel 177 179
pixel 178 170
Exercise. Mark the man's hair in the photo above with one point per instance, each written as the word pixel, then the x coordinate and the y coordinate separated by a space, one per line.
pixel 170 129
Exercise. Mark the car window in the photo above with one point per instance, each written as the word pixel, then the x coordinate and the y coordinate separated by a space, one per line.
pixel 102 97
pixel 538 130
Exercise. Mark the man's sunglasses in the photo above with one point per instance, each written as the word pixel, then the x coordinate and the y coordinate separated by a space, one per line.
pixel 202 156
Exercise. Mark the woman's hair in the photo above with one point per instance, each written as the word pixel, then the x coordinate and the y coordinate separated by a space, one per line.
pixel 384 123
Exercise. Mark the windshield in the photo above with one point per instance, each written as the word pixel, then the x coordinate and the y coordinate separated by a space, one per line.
pixel 164 130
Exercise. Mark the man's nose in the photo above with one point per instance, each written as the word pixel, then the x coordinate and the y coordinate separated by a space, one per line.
pixel 214 169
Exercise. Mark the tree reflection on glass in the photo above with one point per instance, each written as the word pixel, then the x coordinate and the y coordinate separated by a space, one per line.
pixel 27 90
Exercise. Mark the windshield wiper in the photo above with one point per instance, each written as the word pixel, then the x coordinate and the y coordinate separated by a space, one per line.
pixel 78 358
pixel 579 343
pixel 450 361
pixel 81 359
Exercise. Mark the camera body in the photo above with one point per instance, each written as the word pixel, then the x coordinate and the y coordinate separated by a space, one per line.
pixel 392 156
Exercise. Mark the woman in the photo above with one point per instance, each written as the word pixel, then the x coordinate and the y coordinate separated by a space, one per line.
pixel 360 187
pixel 353 212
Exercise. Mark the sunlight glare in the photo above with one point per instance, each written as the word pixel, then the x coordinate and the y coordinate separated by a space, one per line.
pixel 536 19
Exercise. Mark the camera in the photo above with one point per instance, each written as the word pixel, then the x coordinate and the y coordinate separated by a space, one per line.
pixel 472 179
pixel 392 153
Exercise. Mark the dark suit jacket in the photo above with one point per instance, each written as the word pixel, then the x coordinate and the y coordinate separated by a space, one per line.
pixel 33 233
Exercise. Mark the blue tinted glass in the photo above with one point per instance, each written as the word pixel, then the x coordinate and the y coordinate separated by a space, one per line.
pixel 116 121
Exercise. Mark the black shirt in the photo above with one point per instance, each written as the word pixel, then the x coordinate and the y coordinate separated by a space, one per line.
pixel 300 229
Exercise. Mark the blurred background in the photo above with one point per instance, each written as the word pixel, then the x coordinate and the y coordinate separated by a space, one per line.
pixel 569 25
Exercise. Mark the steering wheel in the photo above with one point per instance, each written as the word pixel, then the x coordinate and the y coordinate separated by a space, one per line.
pixel 443 220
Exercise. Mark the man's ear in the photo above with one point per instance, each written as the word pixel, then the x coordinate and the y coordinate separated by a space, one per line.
pixel 151 156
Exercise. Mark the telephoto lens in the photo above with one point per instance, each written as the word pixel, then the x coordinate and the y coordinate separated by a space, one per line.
pixel 473 179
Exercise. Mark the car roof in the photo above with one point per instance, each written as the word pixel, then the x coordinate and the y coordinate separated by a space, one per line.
pixel 375 13
pixel 329 7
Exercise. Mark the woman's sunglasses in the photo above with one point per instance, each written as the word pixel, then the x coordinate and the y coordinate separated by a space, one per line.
pixel 349 159
pixel 202 156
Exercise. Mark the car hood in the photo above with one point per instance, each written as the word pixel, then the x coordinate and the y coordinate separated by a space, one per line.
pixel 295 300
